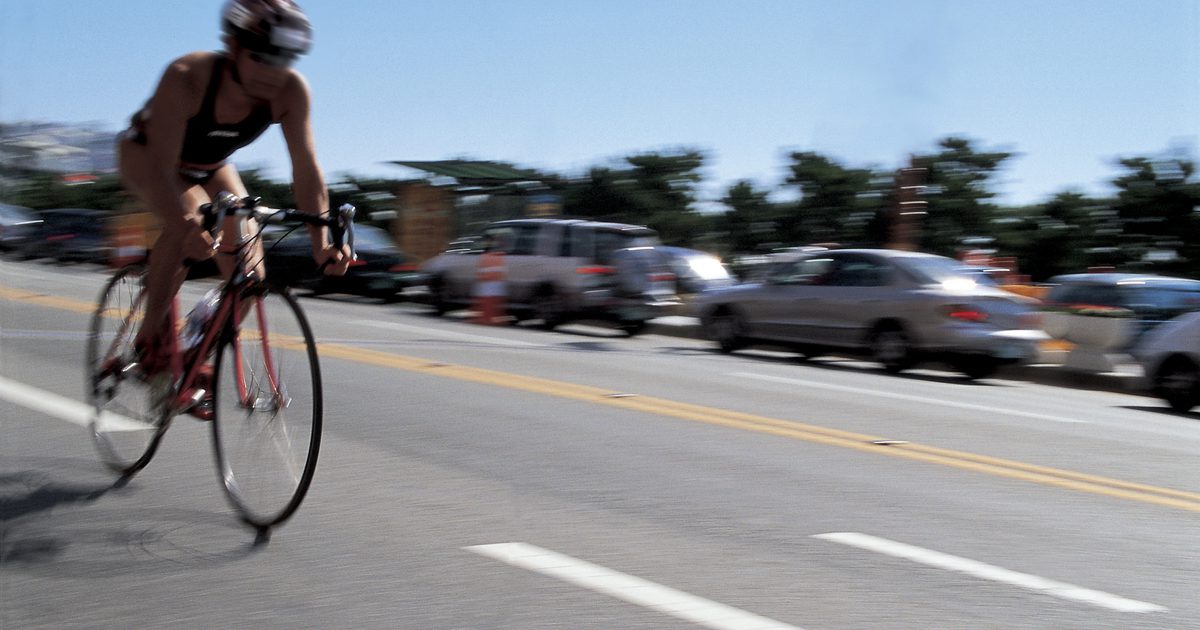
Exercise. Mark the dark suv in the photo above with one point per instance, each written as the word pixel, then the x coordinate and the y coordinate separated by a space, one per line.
pixel 557 270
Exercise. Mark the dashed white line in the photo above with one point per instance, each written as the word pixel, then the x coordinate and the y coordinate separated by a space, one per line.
pixel 907 397
pixel 45 402
pixel 984 571
pixel 628 588
pixel 62 407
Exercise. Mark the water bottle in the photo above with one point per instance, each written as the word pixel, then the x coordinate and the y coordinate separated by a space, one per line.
pixel 198 318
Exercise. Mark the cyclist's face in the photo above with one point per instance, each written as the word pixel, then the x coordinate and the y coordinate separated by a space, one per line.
pixel 262 76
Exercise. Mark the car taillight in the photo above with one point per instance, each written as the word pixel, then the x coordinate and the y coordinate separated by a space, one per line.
pixel 357 262
pixel 403 268
pixel 662 277
pixel 60 237
pixel 966 314
pixel 594 270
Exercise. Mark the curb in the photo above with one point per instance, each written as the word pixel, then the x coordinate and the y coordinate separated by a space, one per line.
pixel 1048 373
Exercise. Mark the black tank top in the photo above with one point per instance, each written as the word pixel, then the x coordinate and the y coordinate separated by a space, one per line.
pixel 208 142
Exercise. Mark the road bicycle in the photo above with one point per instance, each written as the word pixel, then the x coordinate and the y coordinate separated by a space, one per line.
pixel 261 391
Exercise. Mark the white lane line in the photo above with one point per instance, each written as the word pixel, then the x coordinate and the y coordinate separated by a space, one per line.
pixel 907 397
pixel 443 333
pixel 984 571
pixel 628 588
pixel 46 402
pixel 62 407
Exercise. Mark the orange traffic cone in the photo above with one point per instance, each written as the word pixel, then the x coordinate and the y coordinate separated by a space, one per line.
pixel 490 291
pixel 129 245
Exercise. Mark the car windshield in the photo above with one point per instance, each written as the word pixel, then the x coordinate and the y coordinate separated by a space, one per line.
pixel 609 242
pixel 938 270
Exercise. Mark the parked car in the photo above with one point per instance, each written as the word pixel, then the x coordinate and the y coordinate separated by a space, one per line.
pixel 898 307
pixel 382 270
pixel 1170 359
pixel 74 235
pixel 1153 299
pixel 558 270
pixel 19 226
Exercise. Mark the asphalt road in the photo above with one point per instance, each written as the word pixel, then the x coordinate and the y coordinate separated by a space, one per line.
pixel 485 477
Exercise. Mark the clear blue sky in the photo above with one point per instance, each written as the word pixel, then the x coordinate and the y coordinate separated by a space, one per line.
pixel 1070 85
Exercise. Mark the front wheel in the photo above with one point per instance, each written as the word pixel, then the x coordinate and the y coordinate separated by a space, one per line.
pixel 891 348
pixel 726 329
pixel 267 409
pixel 128 409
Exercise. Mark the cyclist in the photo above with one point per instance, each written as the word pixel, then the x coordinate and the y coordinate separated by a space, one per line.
pixel 206 106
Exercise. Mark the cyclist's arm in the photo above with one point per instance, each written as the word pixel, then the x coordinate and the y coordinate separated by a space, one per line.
pixel 307 180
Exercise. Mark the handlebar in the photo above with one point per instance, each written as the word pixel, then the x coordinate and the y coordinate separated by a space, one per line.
pixel 340 222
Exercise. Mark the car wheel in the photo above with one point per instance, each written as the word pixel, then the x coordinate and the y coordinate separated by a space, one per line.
pixel 725 327
pixel 891 348
pixel 440 295
pixel 547 307
pixel 1178 383
pixel 976 367
pixel 633 328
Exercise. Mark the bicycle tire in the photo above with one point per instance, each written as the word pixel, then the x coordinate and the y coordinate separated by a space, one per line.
pixel 267 409
pixel 128 412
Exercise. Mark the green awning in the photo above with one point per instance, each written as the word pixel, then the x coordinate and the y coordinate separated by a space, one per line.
pixel 472 172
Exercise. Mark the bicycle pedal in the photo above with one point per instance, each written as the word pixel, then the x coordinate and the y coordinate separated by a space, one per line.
pixel 200 405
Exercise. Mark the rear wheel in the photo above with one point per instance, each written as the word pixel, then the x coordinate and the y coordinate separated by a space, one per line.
pixel 267 410
pixel 129 411
pixel 1178 383
pixel 547 307
pixel 976 367
pixel 891 348
pixel 439 294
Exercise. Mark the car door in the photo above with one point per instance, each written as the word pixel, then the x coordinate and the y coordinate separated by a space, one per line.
pixel 522 261
pixel 785 307
pixel 854 295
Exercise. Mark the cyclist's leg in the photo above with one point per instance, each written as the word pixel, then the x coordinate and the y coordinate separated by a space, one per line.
pixel 227 179
pixel 165 271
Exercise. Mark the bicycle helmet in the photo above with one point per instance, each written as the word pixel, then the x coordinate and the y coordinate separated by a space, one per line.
pixel 276 29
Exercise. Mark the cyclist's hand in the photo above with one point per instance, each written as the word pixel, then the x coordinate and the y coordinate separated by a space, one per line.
pixel 198 244
pixel 333 261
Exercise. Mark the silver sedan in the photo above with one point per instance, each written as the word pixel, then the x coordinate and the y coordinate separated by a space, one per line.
pixel 898 307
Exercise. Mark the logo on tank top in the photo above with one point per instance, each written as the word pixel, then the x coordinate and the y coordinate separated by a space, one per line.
pixel 222 133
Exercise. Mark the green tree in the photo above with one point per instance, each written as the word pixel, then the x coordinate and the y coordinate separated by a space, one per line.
pixel 653 189
pixel 1157 205
pixel 751 219
pixel 957 193
pixel 837 204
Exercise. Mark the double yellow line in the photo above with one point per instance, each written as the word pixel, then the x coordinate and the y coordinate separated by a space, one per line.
pixel 998 467
pixel 995 466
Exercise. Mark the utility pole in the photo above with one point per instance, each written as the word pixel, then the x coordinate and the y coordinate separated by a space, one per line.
pixel 904 231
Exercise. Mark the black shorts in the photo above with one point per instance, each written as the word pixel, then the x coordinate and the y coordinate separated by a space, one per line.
pixel 194 176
